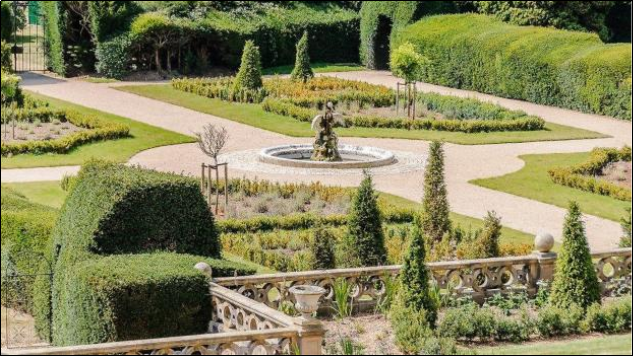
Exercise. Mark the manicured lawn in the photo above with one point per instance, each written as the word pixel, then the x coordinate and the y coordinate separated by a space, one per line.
pixel 254 115
pixel 610 345
pixel 143 137
pixel 318 68
pixel 533 182
pixel 51 194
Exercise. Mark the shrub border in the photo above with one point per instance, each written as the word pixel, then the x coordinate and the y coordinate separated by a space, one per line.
pixel 577 176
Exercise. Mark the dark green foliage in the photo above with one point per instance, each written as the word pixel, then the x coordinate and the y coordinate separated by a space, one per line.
pixel 109 19
pixel 302 71
pixel 26 233
pixel 410 327
pixel 435 207
pixel 619 22
pixel 415 279
pixel 556 321
pixel 626 230
pixel 125 297
pixel 114 57
pixel 545 66
pixel 7 58
pixel 117 210
pixel 469 322
pixel 323 248
pixel 575 281
pixel 7 21
pixel 568 15
pixel 399 14
pixel 365 236
pixel 53 36
pixel 249 77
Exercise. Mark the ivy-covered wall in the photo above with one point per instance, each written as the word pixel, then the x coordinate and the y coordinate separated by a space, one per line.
pixel 400 14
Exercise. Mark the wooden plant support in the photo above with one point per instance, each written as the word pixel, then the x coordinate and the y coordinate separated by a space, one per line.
pixel 211 178
pixel 410 92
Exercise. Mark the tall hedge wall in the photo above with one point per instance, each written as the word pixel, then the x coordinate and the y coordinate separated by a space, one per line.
pixel 53 36
pixel 553 67
pixel 124 268
pixel 6 23
pixel 400 14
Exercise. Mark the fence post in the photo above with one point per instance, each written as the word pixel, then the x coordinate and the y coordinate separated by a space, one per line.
pixel 546 258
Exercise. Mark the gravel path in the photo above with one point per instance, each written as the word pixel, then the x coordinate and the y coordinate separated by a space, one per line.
pixel 464 163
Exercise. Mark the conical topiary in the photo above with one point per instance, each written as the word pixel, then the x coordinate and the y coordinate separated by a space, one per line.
pixel 490 236
pixel 302 71
pixel 436 220
pixel 576 281
pixel 365 237
pixel 415 278
pixel 249 77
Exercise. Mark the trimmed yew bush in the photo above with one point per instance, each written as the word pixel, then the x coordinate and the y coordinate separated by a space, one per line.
pixel 249 77
pixel 123 265
pixel 575 281
pixel 323 248
pixel 365 235
pixel 435 207
pixel 415 279
pixel 302 71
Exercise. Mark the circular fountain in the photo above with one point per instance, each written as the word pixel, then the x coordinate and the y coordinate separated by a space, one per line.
pixel 351 157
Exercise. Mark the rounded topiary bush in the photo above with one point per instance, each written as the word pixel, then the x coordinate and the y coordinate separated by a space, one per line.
pixel 124 255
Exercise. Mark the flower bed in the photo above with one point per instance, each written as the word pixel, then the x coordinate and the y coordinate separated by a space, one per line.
pixel 303 101
pixel 587 176
pixel 93 130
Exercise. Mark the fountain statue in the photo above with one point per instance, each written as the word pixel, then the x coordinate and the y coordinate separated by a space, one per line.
pixel 326 148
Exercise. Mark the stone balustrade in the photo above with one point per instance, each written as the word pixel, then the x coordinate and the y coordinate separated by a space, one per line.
pixel 478 279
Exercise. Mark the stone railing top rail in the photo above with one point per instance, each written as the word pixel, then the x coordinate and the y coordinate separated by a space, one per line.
pixel 158 345
pixel 394 270
pixel 262 310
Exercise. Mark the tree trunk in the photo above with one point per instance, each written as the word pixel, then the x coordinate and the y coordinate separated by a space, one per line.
pixel 159 67
pixel 169 61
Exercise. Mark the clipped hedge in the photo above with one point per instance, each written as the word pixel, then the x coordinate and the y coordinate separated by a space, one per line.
pixel 399 14
pixel 99 290
pixel 53 16
pixel 546 66
pixel 7 21
pixel 586 175
pixel 26 232
pixel 95 130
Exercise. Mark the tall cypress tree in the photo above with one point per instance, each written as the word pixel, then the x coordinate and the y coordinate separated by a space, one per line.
pixel 415 291
pixel 365 237
pixel 249 76
pixel 575 281
pixel 490 236
pixel 302 71
pixel 436 211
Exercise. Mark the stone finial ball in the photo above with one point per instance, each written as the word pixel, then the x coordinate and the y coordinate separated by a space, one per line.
pixel 204 268
pixel 544 242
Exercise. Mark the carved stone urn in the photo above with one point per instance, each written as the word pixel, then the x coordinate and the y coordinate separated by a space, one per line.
pixel 307 298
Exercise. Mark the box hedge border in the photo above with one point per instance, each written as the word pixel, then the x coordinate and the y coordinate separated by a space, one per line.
pixel 583 176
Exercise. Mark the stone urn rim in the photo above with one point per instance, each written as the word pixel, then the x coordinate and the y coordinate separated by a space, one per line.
pixel 307 290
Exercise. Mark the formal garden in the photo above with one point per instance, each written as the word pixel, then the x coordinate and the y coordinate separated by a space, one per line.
pixel 338 177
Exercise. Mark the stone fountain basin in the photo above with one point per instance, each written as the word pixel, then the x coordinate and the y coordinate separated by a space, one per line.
pixel 354 157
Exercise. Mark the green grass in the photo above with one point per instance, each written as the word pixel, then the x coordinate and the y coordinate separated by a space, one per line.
pixel 610 345
pixel 254 115
pixel 317 68
pixel 99 80
pixel 533 182
pixel 143 138
pixel 44 193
